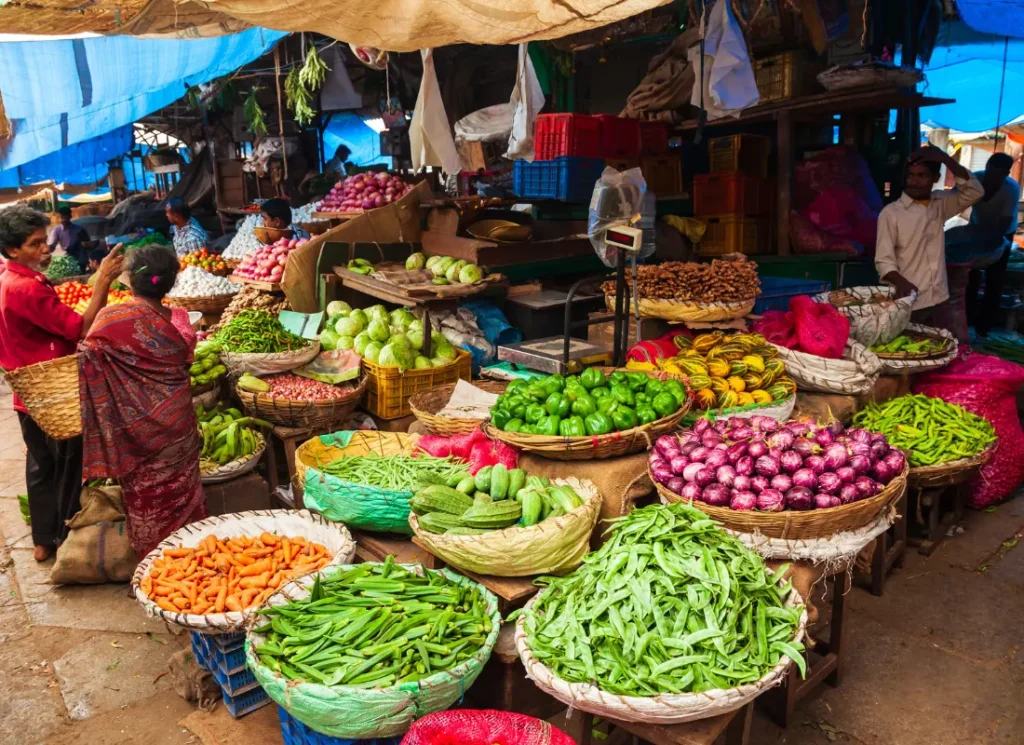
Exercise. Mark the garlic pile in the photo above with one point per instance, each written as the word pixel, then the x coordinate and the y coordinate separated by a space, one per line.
pixel 245 240
pixel 194 282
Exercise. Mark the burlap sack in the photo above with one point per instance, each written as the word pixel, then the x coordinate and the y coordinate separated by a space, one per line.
pixel 621 482
pixel 97 548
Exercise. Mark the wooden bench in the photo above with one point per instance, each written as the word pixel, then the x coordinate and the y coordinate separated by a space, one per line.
pixel 733 729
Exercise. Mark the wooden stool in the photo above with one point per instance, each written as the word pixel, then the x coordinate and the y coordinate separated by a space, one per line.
pixel 828 666
pixel 290 438
pixel 734 726
pixel 890 548
pixel 935 509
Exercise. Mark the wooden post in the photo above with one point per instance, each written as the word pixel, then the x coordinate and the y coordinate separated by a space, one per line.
pixel 784 153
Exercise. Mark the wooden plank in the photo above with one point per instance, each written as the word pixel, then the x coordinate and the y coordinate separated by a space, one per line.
pixel 701 732
pixel 416 294
pixel 377 547
pixel 265 286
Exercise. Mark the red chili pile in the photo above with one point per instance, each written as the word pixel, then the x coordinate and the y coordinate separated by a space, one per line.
pixel 296 388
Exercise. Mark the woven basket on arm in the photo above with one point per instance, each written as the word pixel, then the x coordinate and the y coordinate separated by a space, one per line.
pixel 792 524
pixel 49 391
pixel 427 404
pixel 308 414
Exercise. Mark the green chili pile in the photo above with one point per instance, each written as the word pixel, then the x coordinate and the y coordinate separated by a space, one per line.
pixel 375 625
pixel 394 472
pixel 929 430
pixel 257 332
pixel 670 604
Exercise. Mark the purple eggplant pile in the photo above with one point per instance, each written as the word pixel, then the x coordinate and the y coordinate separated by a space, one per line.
pixel 760 464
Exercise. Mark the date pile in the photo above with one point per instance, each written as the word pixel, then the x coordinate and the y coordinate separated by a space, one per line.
pixel 719 281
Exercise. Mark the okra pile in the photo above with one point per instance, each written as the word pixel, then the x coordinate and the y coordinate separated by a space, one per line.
pixel 374 625
pixel 493 499
pixel 929 430
pixel 670 604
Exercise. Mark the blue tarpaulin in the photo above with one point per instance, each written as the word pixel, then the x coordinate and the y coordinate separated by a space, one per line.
pixel 997 17
pixel 59 93
pixel 346 128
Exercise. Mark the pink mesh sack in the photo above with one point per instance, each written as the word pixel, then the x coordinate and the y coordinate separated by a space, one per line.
pixel 486 727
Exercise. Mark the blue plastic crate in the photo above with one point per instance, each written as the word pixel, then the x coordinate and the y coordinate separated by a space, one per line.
pixel 201 650
pixel 226 642
pixel 776 292
pixel 568 179
pixel 247 702
pixel 229 662
pixel 235 682
pixel 294 732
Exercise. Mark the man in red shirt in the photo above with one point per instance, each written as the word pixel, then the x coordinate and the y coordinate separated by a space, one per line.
pixel 35 327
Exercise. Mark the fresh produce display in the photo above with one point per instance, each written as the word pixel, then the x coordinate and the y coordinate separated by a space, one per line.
pixel 364 191
pixel 721 281
pixel 77 295
pixel 195 282
pixel 476 448
pixel 729 371
pixel 494 499
pixel 61 267
pixel 304 214
pixel 912 344
pixel 229 574
pixel 257 332
pixel 670 604
pixel 759 464
pixel 814 328
pixel 206 366
pixel 245 240
pixel 292 387
pixel 387 625
pixel 227 434
pixel 203 259
pixel 446 270
pixel 587 404
pixel 267 263
pixel 929 430
pixel 393 472
pixel 250 298
pixel 392 339
pixel 360 266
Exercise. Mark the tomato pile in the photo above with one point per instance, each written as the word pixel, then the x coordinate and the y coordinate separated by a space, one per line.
pixel 205 260
pixel 77 296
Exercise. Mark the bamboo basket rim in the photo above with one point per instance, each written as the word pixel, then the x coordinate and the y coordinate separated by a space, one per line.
pixel 950 472
pixel 202 303
pixel 947 344
pixel 688 310
pixel 269 399
pixel 236 467
pixel 427 404
pixel 795 524
pixel 405 441
pixel 287 411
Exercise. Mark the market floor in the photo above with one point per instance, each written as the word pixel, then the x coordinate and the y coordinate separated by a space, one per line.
pixel 939 659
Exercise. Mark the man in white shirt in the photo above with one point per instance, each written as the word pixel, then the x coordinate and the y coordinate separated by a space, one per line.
pixel 910 253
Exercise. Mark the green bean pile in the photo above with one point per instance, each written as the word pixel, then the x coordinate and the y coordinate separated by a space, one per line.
pixel 670 604
pixel 929 430
pixel 375 625
pixel 1007 348
pixel 257 332
pixel 394 472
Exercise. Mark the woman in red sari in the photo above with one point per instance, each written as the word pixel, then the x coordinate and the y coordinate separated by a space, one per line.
pixel 137 418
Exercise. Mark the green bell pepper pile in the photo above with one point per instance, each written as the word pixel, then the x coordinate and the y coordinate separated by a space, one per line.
pixel 585 405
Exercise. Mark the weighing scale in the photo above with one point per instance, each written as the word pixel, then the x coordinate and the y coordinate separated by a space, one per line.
pixel 566 355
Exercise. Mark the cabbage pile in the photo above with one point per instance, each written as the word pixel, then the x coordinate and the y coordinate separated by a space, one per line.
pixel 392 339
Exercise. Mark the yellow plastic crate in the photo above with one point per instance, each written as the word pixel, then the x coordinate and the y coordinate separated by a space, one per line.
pixel 727 234
pixel 388 390
pixel 740 154
pixel 786 75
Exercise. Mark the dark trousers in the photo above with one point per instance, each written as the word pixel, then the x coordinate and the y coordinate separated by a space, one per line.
pixel 982 313
pixel 53 474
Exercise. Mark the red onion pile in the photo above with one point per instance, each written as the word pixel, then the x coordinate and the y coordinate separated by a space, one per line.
pixel 266 264
pixel 297 388
pixel 364 191
pixel 759 464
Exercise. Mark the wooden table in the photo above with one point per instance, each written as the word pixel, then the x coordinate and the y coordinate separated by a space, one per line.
pixel 733 728
pixel 890 549
pixel 378 546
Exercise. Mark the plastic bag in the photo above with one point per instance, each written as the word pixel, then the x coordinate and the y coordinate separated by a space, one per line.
pixel 486 727
pixel 333 366
pixel 618 196
pixel 986 386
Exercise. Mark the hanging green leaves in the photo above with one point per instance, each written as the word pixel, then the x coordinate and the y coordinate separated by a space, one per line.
pixel 314 71
pixel 298 97
pixel 255 116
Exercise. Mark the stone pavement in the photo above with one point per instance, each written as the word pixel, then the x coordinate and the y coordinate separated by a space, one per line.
pixel 939 659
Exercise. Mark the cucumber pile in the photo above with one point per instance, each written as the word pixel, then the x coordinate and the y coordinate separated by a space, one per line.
pixel 494 499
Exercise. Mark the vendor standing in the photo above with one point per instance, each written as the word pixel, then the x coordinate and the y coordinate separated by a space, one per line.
pixel 68 237
pixel 186 232
pixel 910 253
pixel 36 327
pixel 277 213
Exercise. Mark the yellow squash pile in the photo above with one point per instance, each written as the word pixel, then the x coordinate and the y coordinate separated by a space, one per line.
pixel 728 371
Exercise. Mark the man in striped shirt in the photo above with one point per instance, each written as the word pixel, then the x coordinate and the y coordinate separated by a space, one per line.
pixel 186 232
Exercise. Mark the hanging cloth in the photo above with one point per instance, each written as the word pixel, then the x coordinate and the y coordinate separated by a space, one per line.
pixel 729 85
pixel 430 135
pixel 526 102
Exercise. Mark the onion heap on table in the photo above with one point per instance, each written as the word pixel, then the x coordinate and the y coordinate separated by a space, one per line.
pixel 760 464
pixel 267 264
pixel 296 388
pixel 364 191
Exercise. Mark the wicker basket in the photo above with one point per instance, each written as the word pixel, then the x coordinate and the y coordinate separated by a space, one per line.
pixel 425 406
pixel 687 312
pixel 948 474
pixel 790 524
pixel 316 415
pixel 211 472
pixel 49 391
pixel 212 304
pixel 594 447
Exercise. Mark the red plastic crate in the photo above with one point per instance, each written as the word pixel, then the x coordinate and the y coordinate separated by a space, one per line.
pixel 653 138
pixel 556 135
pixel 620 138
pixel 730 194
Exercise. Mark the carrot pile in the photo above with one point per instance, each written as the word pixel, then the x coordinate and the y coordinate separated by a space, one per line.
pixel 229 574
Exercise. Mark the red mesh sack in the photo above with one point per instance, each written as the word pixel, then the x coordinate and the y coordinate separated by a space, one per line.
pixel 487 727
pixel 777 327
pixel 652 351
pixel 986 386
pixel 820 329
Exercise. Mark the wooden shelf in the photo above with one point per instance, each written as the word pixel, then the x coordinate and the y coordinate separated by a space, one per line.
pixel 833 102
pixel 413 295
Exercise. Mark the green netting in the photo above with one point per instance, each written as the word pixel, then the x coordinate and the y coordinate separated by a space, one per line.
pixel 360 713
